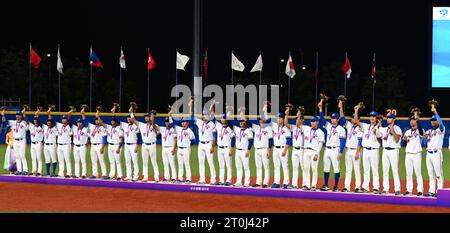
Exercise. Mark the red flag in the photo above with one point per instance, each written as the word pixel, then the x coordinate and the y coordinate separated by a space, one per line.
pixel 347 68
pixel 150 62
pixel 35 60
pixel 205 65
pixel 373 68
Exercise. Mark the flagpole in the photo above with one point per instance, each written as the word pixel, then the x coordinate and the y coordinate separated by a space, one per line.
pixel 260 72
pixel 29 77
pixel 120 79
pixel 316 79
pixel 289 82
pixel 90 83
pixel 232 81
pixel 345 78
pixel 59 82
pixel 373 84
pixel 176 78
pixel 148 83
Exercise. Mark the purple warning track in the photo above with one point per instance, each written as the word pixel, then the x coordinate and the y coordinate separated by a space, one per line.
pixel 443 199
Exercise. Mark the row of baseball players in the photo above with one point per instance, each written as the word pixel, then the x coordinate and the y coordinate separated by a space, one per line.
pixel 361 140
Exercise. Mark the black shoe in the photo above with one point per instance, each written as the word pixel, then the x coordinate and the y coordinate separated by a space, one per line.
pixel 305 188
pixel 406 193
pixel 118 179
pixel 31 174
pixel 419 194
pixel 187 182
pixel 397 193
pixel 256 186
pixel 335 189
pixel 434 194
pixel 324 188
pixel 38 174
pixel 344 190
pixel 92 177
pixel 67 176
pixel 227 184
pixel 364 190
pixel 83 177
pixel 75 177
pixel 173 181
pixel 265 186
pixel 375 191
pixel 25 173
pixel 313 188
pixel 105 177
pixel 384 193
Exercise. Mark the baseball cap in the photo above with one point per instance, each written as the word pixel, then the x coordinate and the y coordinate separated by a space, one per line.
pixel 314 119
pixel 129 115
pixel 391 116
pixel 335 116
pixel 114 119
pixel 412 118
pixel 184 119
pixel 353 116
pixel 36 117
pixel 373 114
pixel 166 119
pixel 147 114
pixel 204 112
pixel 281 115
pixel 18 112
pixel 224 116
pixel 433 118
pixel 63 117
pixel 79 120
pixel 301 117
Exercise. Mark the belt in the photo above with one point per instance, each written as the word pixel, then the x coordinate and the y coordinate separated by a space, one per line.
pixel 240 149
pixel 369 148
pixel 332 147
pixel 223 147
pixel 389 148
pixel 166 146
pixel 182 147
pixel 205 142
pixel 279 147
pixel 130 143
pixel 95 144
pixel 309 148
pixel 432 151
pixel 113 144
pixel 261 148
pixel 18 139
pixel 349 148
pixel 35 142
pixel 298 147
pixel 78 145
pixel 49 144
pixel 63 144
pixel 149 144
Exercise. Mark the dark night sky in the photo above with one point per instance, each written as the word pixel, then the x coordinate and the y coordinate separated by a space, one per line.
pixel 396 30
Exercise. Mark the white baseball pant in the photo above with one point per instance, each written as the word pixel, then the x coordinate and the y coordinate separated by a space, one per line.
pixel 370 162
pixel 79 154
pixel 36 157
pixel 149 151
pixel 352 164
pixel 309 163
pixel 330 158
pixel 413 163
pixel 64 160
pixel 19 151
pixel 169 162
pixel 297 162
pixel 204 150
pixel 132 156
pixel 114 161
pixel 242 162
pixel 183 157
pixel 50 153
pixel 389 158
pixel 97 155
pixel 224 157
pixel 280 160
pixel 434 168
pixel 262 161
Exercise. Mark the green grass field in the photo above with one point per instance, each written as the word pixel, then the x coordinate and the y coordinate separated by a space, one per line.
pixel 194 164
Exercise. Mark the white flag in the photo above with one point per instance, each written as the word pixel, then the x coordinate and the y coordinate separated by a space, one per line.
pixel 122 60
pixel 258 65
pixel 290 71
pixel 236 64
pixel 182 60
pixel 59 65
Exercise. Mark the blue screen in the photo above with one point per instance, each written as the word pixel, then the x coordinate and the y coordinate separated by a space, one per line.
pixel 440 74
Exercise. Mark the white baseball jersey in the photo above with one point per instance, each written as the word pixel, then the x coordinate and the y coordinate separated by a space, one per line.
pixel 413 144
pixel 298 135
pixel 80 135
pixel 130 132
pixel 224 134
pixel 19 128
pixel 36 133
pixel 205 130
pixel 114 133
pixel 64 133
pixel 262 135
pixel 387 138
pixel 354 133
pixel 50 134
pixel 313 138
pixel 243 135
pixel 168 136
pixel 334 134
pixel 96 133
pixel 148 132
pixel 435 138
pixel 280 134
pixel 184 136
pixel 369 138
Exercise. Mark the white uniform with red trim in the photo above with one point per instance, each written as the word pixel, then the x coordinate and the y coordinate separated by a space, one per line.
pixel 130 132
pixel 413 159
pixel 243 135
pixel 114 135
pixel 63 150
pixel 224 137
pixel 168 137
pixel 313 141
pixel 37 138
pixel 80 137
pixel 205 134
pixel 149 133
pixel 298 151
pixel 434 158
pixel 261 143
pixel 50 136
pixel 354 134
pixel 390 156
pixel 280 135
pixel 19 129
pixel 96 134
pixel 370 156
pixel 184 138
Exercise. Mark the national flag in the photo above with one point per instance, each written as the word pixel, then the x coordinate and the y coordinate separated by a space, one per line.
pixel 35 59
pixel 182 60
pixel 205 65
pixel 258 65
pixel 59 64
pixel 95 62
pixel 122 63
pixel 347 68
pixel 290 71
pixel 236 64
pixel 151 64
pixel 373 68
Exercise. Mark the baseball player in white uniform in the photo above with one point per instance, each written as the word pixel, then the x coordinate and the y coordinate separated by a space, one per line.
pixel 391 136
pixel 370 154
pixel 184 137
pixel 314 138
pixel 50 137
pixel 353 152
pixel 281 141
pixel 19 128
pixel 37 139
pixel 115 144
pixel 263 141
pixel 435 138
pixel 334 147
pixel 168 142
pixel 64 143
pixel 413 158
pixel 97 138
pixel 80 134
pixel 130 132
pixel 149 131
pixel 225 142
pixel 298 149
pixel 244 141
